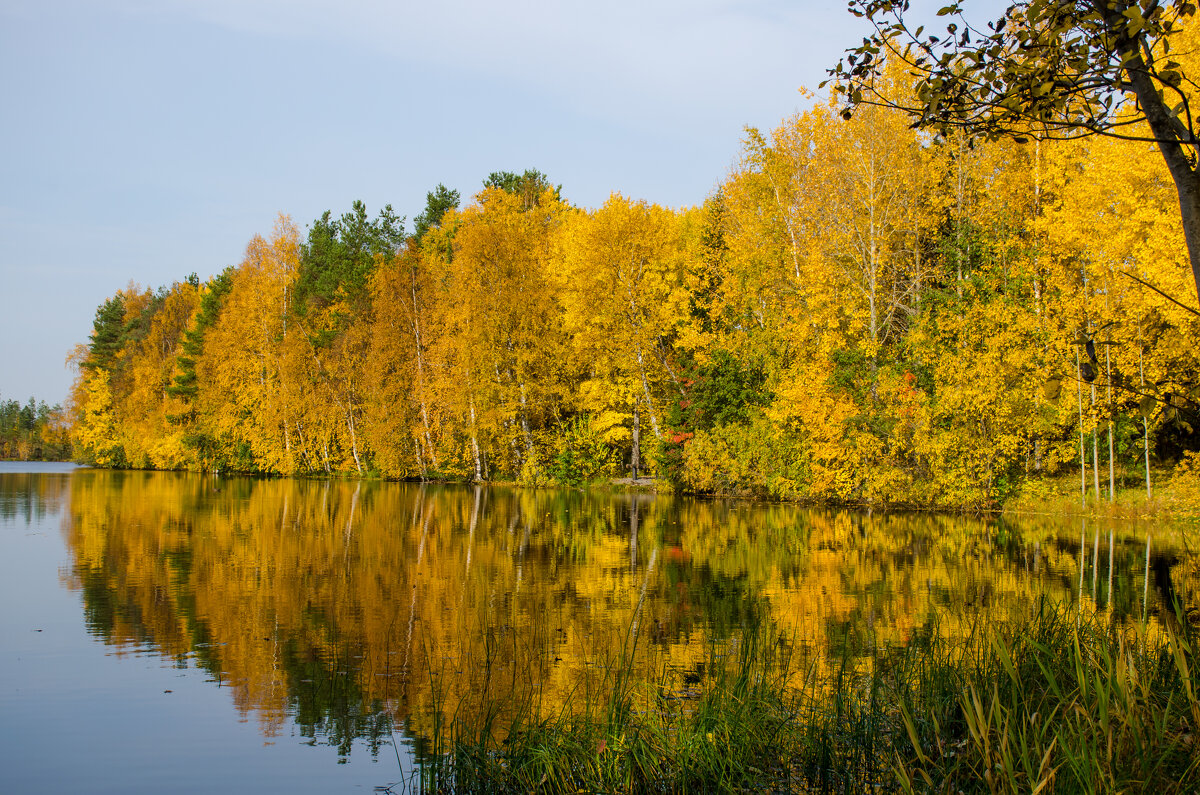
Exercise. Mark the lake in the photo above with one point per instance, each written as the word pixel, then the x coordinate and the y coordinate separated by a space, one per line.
pixel 192 633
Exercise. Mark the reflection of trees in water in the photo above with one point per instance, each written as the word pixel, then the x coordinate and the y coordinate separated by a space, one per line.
pixel 326 702
pixel 29 497
pixel 346 605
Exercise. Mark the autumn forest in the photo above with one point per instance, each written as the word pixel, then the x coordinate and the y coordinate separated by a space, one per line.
pixel 858 313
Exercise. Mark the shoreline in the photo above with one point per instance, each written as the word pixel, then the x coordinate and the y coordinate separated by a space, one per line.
pixel 1175 494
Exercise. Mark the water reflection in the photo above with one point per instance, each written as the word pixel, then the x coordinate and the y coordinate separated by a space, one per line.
pixel 29 492
pixel 358 610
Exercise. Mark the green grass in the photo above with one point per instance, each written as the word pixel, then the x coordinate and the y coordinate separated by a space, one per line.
pixel 1175 496
pixel 1064 702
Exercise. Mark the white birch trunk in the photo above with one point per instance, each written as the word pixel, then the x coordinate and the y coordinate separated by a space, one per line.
pixel 1082 458
pixel 1095 449
pixel 475 445
pixel 646 391
pixel 1112 482
pixel 636 454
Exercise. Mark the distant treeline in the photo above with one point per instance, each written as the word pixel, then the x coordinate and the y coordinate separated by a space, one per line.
pixel 858 313
pixel 33 432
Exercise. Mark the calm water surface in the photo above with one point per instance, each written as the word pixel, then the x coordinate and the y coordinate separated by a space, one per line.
pixel 189 633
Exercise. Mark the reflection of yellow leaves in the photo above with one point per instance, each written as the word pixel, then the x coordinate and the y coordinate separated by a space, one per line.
pixel 419 591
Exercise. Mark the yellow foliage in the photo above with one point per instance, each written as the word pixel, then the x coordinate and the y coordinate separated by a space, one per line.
pixel 859 313
pixel 249 400
pixel 94 431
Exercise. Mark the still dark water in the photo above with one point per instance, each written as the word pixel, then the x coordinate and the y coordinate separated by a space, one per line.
pixel 164 632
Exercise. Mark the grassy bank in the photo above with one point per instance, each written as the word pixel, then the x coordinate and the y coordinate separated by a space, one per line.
pixel 1174 495
pixel 1064 703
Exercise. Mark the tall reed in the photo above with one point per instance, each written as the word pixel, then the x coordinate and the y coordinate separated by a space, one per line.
pixel 1065 702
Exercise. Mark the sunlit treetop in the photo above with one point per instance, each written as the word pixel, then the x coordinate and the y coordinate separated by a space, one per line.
pixel 1051 68
pixel 1047 69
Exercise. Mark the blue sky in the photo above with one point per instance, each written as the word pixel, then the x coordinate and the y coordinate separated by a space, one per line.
pixel 143 140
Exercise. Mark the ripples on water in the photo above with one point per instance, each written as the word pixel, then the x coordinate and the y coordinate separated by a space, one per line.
pixel 362 615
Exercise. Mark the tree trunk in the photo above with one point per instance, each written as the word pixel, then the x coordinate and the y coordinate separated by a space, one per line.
pixel 1171 135
pixel 508 424
pixel 646 389
pixel 1095 449
pixel 525 425
pixel 1145 424
pixel 353 440
pixel 1189 206
pixel 958 218
pixel 1082 459
pixel 636 455
pixel 1112 483
pixel 475 445
pixel 420 460
pixel 419 345
pixel 1037 213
